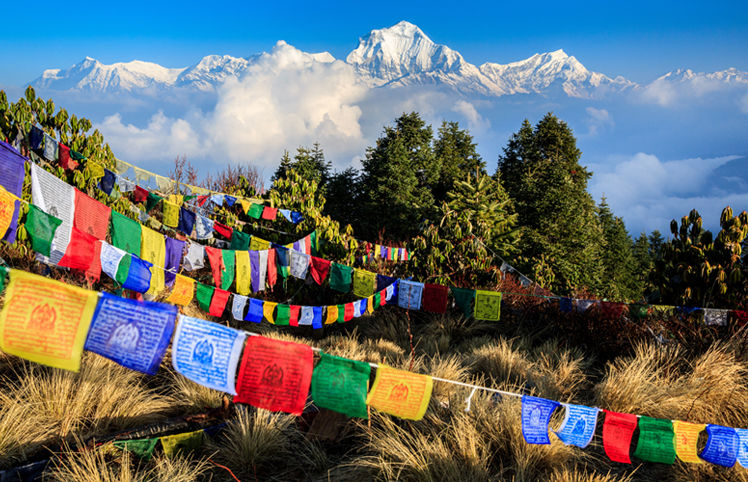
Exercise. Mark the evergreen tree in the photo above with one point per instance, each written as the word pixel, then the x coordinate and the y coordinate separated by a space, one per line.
pixel 620 280
pixel 541 172
pixel 285 165
pixel 457 156
pixel 644 261
pixel 343 196
pixel 655 245
pixel 309 163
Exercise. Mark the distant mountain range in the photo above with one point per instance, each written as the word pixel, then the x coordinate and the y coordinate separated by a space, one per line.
pixel 401 55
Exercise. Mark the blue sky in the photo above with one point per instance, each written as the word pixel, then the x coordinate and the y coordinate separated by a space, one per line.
pixel 639 40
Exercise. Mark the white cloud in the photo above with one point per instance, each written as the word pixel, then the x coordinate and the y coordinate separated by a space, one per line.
pixel 598 119
pixel 688 87
pixel 475 121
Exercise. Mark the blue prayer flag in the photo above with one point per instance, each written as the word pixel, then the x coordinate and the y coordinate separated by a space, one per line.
pixel 409 294
pixel 138 276
pixel 565 305
pixel 536 414
pixel 296 217
pixel 578 426
pixel 286 214
pixel 384 281
pixel 207 353
pixel 203 227
pixel 106 183
pixel 230 200
pixel 742 446
pixel 254 313
pixel 133 333
pixel 721 446
pixel 186 221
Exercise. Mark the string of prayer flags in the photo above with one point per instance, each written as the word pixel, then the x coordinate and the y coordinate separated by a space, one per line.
pixel 269 213
pixel 57 198
pixel 203 227
pixel 138 274
pixel 207 353
pixel 340 384
pixel 400 393
pixel 243 273
pixel 275 375
pixel 409 295
pixel 341 277
pixel 186 221
pixel 143 448
pixel 126 233
pixel 742 446
pixel 215 257
pixel 227 276
pixel 464 299
pixel 434 298
pixel 195 257
pixel 41 228
pixel 240 240
pixel 91 216
pixel 203 294
pixel 364 283
pixel 578 426
pixel 656 437
pixel 487 305
pixel 722 446
pixel 153 250
pixel 536 414
pixel 320 268
pixel 686 441
pixel 45 321
pixel 170 213
pixel 133 333
pixel 182 291
pixel 80 251
pixel 174 251
pixel 618 429
pixel 299 264
pixel 181 442
pixel 218 302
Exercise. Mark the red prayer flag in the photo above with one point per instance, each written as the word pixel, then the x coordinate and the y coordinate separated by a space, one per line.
pixel 612 310
pixel 434 298
pixel 80 251
pixel 272 273
pixel 93 273
pixel 63 152
pixel 275 375
pixel 140 194
pixel 223 230
pixel 741 317
pixel 308 244
pixel 320 269
pixel 215 257
pixel 91 216
pixel 617 432
pixel 348 312
pixel 383 297
pixel 218 302
pixel 294 311
pixel 201 199
pixel 269 213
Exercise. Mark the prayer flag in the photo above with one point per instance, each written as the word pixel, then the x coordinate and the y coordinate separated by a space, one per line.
pixel 578 426
pixel 341 277
pixel 133 333
pixel 152 201
pixel 222 229
pixel 283 316
pixel 268 308
pixel 286 214
pixel 294 314
pixel 255 311
pixel 186 221
pixel 742 446
pixel 243 272
pixel 143 448
pixel 282 253
pixel 487 305
pixel 170 214
pixel 80 251
pixel 125 185
pixel 109 259
pixel 203 227
pixel 255 211
pixel 564 305
pixel 207 353
pixel 215 256
pixel 618 429
pixel 203 293
pixel 464 299
pixel 91 216
pixel 182 292
pixel 272 274
pixel 583 305
pixel 391 291
pixel 299 264
pixel 237 307
pixel 296 217
pixel 275 375
pixel 229 200
pixel 195 257
pixel 41 228
pixel 686 441
pixel 218 302
pixel 384 281
pixel 311 315
pixel 174 251
pixel 126 233
pixel 227 276
pixel 245 205
pixel 36 137
pixel 153 250
pixel 93 273
pixel 536 414
pixel 12 173
pixel 400 393
pixel 434 298
pixel 138 274
pixel 409 296
pixel 721 446
pixel 655 442
pixel 240 240
pixel 364 283
pixel 106 183
pixel 63 153
pixel 269 213
pixel 258 244
pixel 340 384
pixel 50 148
pixel 140 195
pixel 332 315
pixel 320 269
pixel 715 317
pixel 45 321
pixel 258 269
pixel 57 198
pixel 181 442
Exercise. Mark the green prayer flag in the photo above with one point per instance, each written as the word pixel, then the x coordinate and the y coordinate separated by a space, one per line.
pixel 41 228
pixel 638 311
pixel 143 448
pixel 464 298
pixel 341 314
pixel 204 293
pixel 229 268
pixel 364 283
pixel 656 440
pixel 77 156
pixel 125 233
pixel 255 211
pixel 283 315
pixel 152 200
pixel 341 277
pixel 341 385
pixel 240 240
pixel 313 242
pixel 377 300
pixel 3 277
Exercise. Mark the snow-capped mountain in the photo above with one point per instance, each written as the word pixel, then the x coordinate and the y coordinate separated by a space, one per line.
pixel 401 55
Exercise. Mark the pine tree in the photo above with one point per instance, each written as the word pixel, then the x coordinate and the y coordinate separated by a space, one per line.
pixel 644 261
pixel 343 196
pixel 285 165
pixel 620 280
pixel 457 156
pixel 541 172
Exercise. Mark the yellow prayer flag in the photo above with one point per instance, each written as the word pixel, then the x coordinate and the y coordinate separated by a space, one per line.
pixel 243 273
pixel 177 199
pixel 45 321
pixel 332 315
pixel 153 250
pixel 171 214
pixel 268 308
pixel 400 393
pixel 121 167
pixel 7 208
pixel 686 438
pixel 182 292
pixel 364 282
pixel 370 304
pixel 487 305
pixel 245 205
pixel 181 442
pixel 258 244
pixel 95 170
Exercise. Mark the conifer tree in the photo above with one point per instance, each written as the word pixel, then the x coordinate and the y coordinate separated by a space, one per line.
pixel 620 281
pixel 457 154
